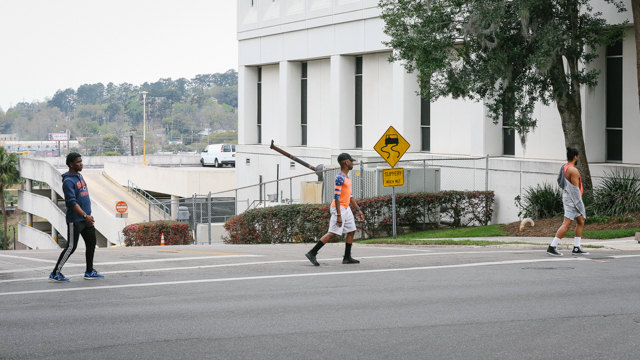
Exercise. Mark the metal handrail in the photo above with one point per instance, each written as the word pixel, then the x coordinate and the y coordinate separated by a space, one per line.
pixel 148 198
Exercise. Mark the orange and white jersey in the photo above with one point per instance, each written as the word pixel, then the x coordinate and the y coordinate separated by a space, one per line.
pixel 342 192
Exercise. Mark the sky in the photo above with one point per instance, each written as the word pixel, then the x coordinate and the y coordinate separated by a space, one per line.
pixel 46 45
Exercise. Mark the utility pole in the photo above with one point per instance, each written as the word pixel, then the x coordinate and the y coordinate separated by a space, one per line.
pixel 144 125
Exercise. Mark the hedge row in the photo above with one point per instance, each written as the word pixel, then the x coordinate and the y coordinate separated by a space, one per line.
pixel 309 222
pixel 149 233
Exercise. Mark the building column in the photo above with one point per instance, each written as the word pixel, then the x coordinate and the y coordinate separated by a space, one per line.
pixel 29 188
pixel 290 102
pixel 54 232
pixel 247 105
pixel 174 207
pixel 343 107
pixel 406 105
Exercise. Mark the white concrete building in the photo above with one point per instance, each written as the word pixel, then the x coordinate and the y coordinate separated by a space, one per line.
pixel 314 77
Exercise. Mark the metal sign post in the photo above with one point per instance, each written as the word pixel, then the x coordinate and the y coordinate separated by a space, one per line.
pixel 391 147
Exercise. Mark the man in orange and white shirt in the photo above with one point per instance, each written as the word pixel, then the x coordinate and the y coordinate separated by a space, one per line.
pixel 342 220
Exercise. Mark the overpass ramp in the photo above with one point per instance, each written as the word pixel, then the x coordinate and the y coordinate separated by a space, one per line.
pixel 107 193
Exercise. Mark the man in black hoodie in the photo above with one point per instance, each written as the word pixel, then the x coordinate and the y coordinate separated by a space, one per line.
pixel 79 219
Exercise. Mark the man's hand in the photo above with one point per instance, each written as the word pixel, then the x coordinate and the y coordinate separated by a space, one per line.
pixel 90 220
pixel 339 221
pixel 361 215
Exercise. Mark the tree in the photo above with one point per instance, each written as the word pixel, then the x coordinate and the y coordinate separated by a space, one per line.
pixel 111 142
pixel 63 100
pixel 90 94
pixel 226 95
pixel 509 54
pixel 635 8
pixel 9 175
pixel 112 110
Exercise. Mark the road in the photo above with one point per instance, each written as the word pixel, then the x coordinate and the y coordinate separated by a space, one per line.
pixel 269 302
pixel 107 194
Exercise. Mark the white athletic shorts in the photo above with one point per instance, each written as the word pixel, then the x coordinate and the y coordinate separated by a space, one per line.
pixel 348 221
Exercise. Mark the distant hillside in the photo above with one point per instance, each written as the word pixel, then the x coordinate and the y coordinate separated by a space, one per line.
pixel 178 109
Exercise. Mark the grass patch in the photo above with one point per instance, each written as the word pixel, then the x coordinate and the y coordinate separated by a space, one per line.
pixel 478 231
pixel 405 241
pixel 606 234
pixel 467 242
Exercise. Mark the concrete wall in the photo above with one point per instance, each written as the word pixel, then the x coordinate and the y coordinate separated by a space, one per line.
pixel 45 208
pixel 270 32
pixel 217 232
pixel 41 171
pixel 106 223
pixel 35 239
pixel 157 160
pixel 183 183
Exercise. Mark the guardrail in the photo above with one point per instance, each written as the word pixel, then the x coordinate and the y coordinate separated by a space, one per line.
pixel 148 198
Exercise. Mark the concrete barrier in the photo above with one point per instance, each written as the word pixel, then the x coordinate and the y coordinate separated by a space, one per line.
pixel 106 223
pixel 217 232
pixel 182 183
pixel 34 238
pixel 44 208
pixel 41 171
pixel 154 160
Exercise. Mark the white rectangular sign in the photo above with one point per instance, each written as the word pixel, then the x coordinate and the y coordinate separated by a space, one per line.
pixel 58 136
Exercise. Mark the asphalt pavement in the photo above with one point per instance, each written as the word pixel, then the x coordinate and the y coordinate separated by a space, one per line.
pixel 270 302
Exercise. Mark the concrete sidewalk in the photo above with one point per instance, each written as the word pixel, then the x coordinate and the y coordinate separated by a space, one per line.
pixel 627 243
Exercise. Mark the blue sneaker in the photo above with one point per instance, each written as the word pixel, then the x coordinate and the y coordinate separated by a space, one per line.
pixel 92 275
pixel 58 277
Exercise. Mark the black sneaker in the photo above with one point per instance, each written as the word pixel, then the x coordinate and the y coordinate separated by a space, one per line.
pixel 577 250
pixel 312 258
pixel 551 250
pixel 350 260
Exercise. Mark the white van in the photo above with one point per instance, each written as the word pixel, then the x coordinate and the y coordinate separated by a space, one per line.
pixel 218 155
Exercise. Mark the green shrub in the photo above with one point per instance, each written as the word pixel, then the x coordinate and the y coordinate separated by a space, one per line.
pixel 285 223
pixel 597 219
pixel 542 202
pixel 618 194
pixel 149 233
pixel 308 223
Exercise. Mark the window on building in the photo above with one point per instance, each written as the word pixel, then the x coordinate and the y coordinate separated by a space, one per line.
pixel 259 105
pixel 508 135
pixel 425 124
pixel 614 103
pixel 358 102
pixel 303 104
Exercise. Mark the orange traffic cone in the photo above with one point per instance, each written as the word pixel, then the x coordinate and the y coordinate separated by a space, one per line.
pixel 162 240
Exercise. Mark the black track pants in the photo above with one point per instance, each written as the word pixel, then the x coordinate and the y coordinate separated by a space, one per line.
pixel 74 230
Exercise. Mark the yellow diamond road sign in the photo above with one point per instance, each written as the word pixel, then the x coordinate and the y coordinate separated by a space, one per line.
pixel 391 146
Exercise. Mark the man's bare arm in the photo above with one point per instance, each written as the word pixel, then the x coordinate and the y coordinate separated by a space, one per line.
pixel 574 176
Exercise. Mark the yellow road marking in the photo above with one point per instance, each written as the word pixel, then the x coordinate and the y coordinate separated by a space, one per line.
pixel 181 251
pixel 603 261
